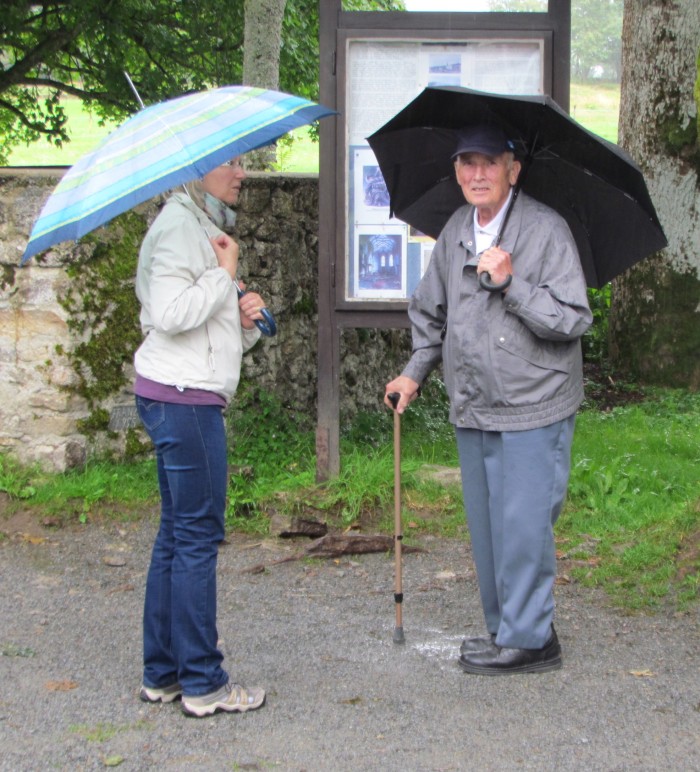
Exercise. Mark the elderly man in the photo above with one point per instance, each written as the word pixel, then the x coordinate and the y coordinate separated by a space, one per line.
pixel 513 371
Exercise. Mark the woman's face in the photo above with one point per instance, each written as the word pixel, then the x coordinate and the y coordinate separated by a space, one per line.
pixel 225 181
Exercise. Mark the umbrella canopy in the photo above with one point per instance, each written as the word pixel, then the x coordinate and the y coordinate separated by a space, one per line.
pixel 161 147
pixel 592 183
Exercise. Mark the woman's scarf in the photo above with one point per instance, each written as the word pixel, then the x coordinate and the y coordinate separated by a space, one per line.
pixel 216 210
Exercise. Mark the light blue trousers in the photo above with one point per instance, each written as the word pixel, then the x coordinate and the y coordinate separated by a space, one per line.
pixel 514 484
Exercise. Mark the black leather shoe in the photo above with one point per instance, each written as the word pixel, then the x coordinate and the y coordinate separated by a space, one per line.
pixel 503 661
pixel 480 643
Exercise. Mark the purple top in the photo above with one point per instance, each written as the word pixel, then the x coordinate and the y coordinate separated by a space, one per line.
pixel 144 387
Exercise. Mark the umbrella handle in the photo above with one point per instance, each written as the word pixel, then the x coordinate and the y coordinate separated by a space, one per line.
pixel 486 283
pixel 267 324
pixel 485 277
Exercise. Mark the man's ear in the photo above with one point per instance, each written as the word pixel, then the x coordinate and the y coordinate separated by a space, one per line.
pixel 515 172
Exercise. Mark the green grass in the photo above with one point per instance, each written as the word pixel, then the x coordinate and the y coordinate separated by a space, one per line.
pixel 632 517
pixel 594 106
pixel 300 154
pixel 631 524
pixel 80 495
pixel 85 134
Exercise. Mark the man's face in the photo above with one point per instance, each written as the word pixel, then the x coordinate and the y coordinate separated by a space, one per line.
pixel 486 180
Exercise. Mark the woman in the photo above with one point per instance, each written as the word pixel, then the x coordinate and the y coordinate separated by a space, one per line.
pixel 187 368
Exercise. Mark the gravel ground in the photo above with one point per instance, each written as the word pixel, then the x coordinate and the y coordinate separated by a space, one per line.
pixel 341 695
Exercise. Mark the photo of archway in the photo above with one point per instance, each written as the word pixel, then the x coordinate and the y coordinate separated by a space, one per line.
pixel 380 268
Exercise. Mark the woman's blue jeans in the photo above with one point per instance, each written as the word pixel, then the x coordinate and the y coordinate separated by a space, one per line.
pixel 179 620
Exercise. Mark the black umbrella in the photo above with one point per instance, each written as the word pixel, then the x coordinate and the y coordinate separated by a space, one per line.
pixel 592 183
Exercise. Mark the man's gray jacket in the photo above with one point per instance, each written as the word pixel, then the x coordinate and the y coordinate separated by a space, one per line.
pixel 511 361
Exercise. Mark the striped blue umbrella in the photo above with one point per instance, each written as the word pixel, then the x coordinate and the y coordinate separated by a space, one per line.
pixel 161 147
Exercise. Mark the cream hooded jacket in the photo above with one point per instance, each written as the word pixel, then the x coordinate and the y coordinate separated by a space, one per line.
pixel 189 305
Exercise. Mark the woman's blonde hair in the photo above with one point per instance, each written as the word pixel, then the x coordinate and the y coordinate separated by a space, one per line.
pixel 195 190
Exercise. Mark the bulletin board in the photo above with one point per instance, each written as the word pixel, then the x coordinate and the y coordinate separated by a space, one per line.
pixel 384 257
pixel 372 64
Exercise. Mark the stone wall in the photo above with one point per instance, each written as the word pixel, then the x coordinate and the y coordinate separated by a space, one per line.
pixel 40 405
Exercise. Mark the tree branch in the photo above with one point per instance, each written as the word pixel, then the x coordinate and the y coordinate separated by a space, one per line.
pixel 41 128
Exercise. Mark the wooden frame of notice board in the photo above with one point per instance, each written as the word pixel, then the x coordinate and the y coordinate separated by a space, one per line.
pixel 372 65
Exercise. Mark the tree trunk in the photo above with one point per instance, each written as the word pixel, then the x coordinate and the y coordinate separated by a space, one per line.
pixel 261 59
pixel 655 312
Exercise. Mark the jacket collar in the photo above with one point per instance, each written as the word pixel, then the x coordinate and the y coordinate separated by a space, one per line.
pixel 184 200
pixel 466 236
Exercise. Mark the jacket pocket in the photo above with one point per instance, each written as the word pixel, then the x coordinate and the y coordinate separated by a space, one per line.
pixel 529 370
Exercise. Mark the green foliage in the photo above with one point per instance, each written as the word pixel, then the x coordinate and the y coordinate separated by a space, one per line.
pixel 680 137
pixel 103 312
pixel 61 46
pixel 97 490
pixel 51 48
pixel 268 454
pixel 13 650
pixel 364 485
pixel 274 464
pixel 97 421
pixel 596 32
pixel 426 432
pixel 16 480
pixel 261 428
pixel 103 732
pixel 135 445
pixel 634 490
pixel 299 62
pixel 596 37
pixel 595 340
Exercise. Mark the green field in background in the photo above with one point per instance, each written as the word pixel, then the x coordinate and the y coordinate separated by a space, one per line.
pixel 594 106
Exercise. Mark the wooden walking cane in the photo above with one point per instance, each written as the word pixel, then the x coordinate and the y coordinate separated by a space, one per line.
pixel 398 535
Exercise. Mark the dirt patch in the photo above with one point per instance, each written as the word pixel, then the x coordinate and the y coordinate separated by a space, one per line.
pixel 688 558
pixel 25 524
pixel 606 389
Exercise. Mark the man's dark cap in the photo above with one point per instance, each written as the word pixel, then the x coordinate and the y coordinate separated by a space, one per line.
pixel 484 139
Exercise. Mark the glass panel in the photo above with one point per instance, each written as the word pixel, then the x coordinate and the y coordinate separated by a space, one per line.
pixel 452 6
pixel 385 257
pixel 474 6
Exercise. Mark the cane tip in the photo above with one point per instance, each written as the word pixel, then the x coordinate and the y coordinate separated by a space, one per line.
pixel 398 635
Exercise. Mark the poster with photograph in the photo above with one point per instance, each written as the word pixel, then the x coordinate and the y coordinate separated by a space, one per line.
pixel 379 269
pixel 444 68
pixel 370 197
pixel 499 66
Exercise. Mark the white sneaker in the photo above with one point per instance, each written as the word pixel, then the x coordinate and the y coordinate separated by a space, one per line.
pixel 231 698
pixel 168 694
